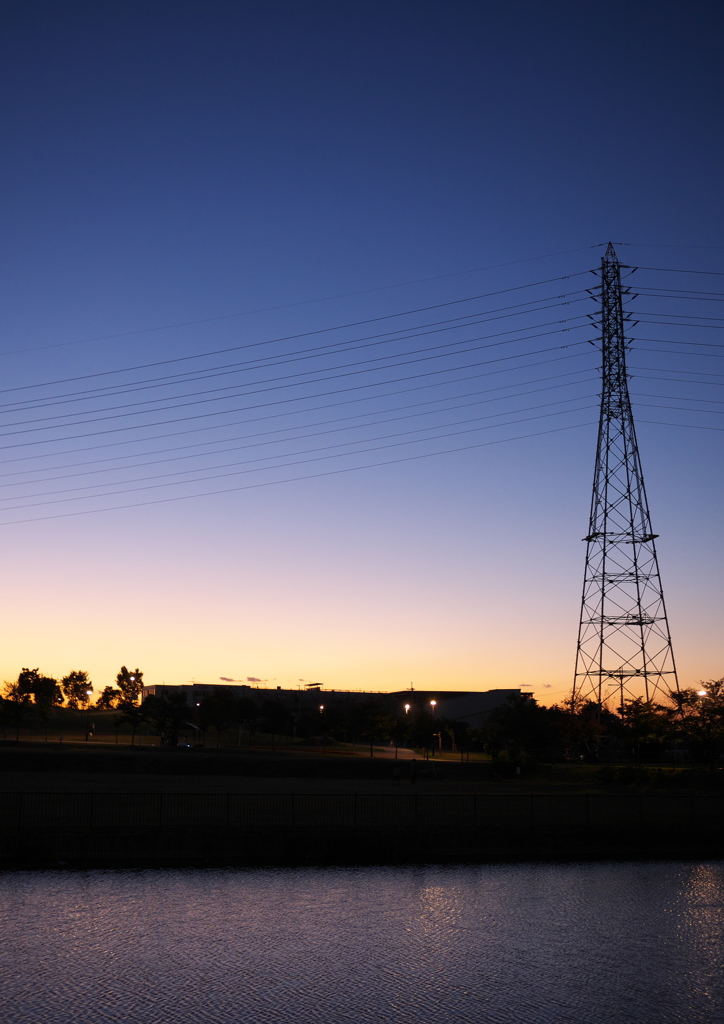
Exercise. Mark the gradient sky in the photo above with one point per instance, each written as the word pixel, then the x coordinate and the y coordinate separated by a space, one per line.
pixel 183 178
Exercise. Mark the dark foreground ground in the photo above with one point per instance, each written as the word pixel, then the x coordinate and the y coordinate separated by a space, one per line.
pixel 97 806
pixel 67 768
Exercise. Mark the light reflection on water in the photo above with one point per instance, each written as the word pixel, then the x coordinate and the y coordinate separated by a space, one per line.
pixel 521 944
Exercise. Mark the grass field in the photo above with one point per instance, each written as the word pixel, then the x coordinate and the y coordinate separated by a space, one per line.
pixel 98 766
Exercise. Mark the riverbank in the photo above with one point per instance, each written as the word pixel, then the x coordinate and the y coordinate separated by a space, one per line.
pixel 103 829
pixel 95 767
pixel 93 806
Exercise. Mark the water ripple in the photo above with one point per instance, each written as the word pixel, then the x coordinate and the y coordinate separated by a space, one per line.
pixel 521 944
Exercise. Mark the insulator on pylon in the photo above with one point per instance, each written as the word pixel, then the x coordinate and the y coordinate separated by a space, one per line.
pixel 624 631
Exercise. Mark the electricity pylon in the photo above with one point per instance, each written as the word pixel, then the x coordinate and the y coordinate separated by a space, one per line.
pixel 624 643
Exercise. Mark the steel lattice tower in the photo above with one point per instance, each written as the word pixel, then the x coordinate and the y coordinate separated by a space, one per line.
pixel 623 637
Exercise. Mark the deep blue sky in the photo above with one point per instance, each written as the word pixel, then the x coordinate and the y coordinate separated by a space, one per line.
pixel 180 161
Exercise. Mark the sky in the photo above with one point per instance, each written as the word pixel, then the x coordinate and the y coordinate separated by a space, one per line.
pixel 296 363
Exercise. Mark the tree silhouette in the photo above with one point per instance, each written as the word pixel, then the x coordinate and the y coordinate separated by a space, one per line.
pixel 519 728
pixel 75 687
pixel 12 712
pixel 133 715
pixel 31 685
pixel 166 712
pixel 47 693
pixel 373 723
pixel 221 709
pixel 248 713
pixel 30 688
pixel 109 698
pixel 130 683
pixel 275 718
pixel 701 715
pixel 25 686
pixel 400 730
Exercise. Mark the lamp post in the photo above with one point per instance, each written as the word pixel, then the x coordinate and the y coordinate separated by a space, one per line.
pixel 705 726
pixel 432 722
pixel 87 714
pixel 324 730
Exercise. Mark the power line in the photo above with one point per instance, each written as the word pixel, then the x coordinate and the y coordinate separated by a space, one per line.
pixel 304 334
pixel 305 378
pixel 374 384
pixel 670 323
pixel 127 409
pixel 286 429
pixel 670 316
pixel 197 429
pixel 667 245
pixel 677 398
pixel 688 426
pixel 700 355
pixel 676 408
pixel 280 359
pixel 311 476
pixel 304 302
pixel 325 448
pixel 335 472
pixel 657 369
pixel 298 437
pixel 388 340
pixel 680 293
pixel 673 270
pixel 673 341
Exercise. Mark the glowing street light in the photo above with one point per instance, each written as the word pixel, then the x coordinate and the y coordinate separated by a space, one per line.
pixel 87 715
pixel 407 708
pixel 432 719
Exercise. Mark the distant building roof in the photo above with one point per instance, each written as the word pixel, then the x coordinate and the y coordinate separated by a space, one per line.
pixel 471 706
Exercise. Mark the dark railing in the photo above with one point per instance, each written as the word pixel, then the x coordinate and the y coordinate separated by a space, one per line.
pixel 62 812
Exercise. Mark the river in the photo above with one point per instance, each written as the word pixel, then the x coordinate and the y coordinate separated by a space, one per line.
pixel 625 943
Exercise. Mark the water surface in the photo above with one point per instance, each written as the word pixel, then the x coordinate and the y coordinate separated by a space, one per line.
pixel 520 944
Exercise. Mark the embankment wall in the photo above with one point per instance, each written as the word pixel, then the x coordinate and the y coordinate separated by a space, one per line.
pixel 130 830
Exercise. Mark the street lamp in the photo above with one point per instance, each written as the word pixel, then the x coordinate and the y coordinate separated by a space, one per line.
pixel 324 731
pixel 87 714
pixel 407 709
pixel 432 721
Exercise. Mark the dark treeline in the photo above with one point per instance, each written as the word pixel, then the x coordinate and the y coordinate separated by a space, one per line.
pixel 520 732
pixel 36 696
pixel 689 727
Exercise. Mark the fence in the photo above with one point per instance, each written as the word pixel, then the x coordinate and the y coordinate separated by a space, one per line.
pixel 404 812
